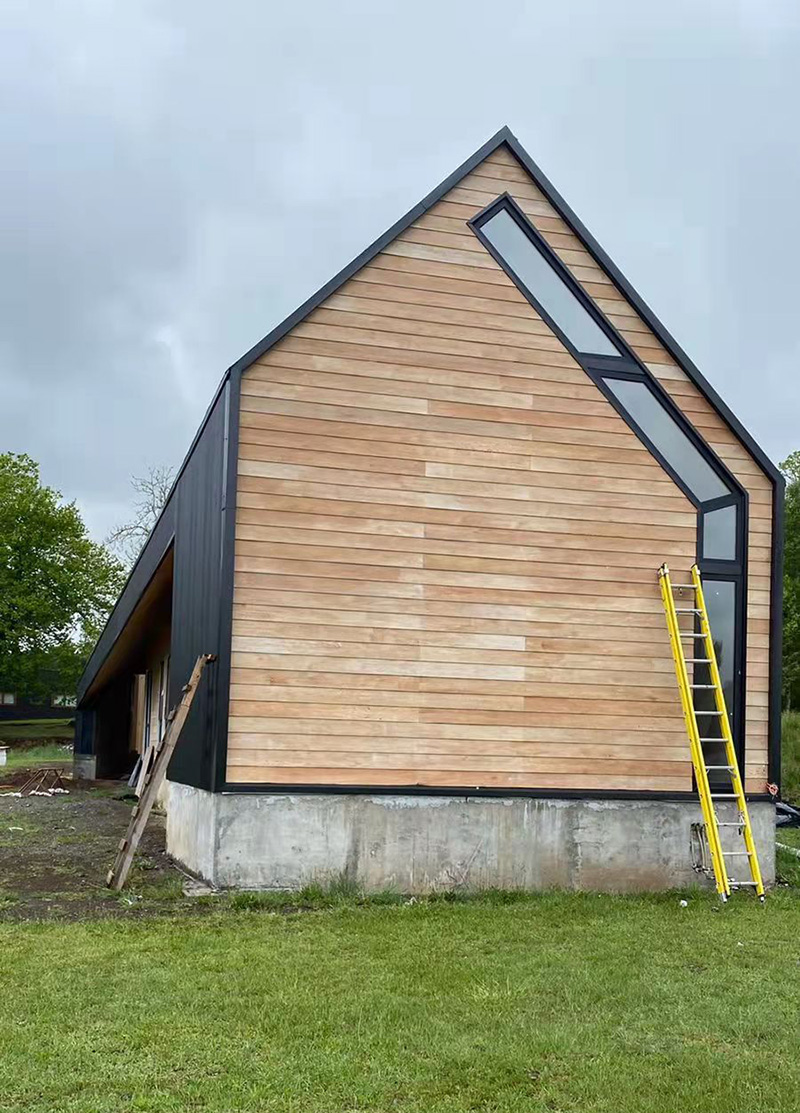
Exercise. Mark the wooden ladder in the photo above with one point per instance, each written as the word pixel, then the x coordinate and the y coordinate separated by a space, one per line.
pixel 154 769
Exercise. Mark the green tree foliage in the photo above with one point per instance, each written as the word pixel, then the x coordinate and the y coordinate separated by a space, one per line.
pixel 56 584
pixel 791 584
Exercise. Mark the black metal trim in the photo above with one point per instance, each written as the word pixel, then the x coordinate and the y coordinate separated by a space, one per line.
pixel 645 312
pixel 219 757
pixel 505 138
pixel 628 367
pixel 270 789
pixel 599 381
pixel 776 636
pixel 683 361
pixel 91 667
pixel 506 203
pixel 599 367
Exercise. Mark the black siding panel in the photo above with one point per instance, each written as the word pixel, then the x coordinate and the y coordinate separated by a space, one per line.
pixel 197 597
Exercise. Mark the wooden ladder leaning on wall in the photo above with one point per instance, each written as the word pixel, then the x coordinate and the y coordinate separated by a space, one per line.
pixel 700 632
pixel 154 769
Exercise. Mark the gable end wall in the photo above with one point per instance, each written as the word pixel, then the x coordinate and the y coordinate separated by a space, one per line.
pixel 434 505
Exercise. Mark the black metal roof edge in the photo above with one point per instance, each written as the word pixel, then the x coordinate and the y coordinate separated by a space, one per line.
pixel 154 527
pixel 95 662
pixel 503 136
pixel 644 310
pixel 280 330
pixel 497 140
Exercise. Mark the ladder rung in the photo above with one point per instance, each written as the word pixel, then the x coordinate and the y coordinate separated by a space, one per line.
pixel 741 884
pixel 731 824
pixel 687 610
pixel 698 660
pixel 690 587
pixel 704 687
pixel 686 634
pixel 724 796
pixel 697 711
pixel 710 767
pixel 737 853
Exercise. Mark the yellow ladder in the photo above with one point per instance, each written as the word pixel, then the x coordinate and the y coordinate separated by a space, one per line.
pixel 700 632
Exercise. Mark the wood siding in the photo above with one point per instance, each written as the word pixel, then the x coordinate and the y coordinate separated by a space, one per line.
pixel 447 539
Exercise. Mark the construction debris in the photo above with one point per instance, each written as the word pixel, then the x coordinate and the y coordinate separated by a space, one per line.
pixel 153 771
pixel 44 782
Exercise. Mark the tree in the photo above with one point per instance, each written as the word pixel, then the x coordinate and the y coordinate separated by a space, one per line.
pixel 153 490
pixel 791 583
pixel 56 584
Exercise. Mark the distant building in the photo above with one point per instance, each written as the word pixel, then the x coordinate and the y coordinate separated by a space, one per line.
pixel 17 705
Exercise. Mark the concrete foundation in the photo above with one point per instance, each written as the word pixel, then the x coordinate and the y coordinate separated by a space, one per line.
pixel 415 844
pixel 84 767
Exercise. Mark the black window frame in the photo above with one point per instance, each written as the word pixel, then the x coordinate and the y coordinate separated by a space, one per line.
pixel 629 366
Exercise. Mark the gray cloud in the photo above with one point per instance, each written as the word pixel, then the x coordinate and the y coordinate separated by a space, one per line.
pixel 176 178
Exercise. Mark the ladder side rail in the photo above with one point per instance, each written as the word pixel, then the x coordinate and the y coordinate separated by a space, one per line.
pixel 695 745
pixel 727 735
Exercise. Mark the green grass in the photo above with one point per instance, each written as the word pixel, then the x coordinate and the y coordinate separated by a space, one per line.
pixel 550 1003
pixel 790 754
pixel 29 756
pixel 35 730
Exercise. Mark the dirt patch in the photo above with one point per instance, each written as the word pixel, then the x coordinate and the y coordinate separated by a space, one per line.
pixel 55 853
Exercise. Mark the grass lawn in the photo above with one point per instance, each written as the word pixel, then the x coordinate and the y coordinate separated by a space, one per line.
pixel 790 754
pixel 36 730
pixel 29 756
pixel 556 1002
pixel 326 1003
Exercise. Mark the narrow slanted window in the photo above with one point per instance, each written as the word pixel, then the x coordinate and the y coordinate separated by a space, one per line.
pixel 543 284
pixel 667 437
pixel 551 288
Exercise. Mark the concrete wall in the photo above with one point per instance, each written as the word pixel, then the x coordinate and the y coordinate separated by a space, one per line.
pixel 84 767
pixel 418 843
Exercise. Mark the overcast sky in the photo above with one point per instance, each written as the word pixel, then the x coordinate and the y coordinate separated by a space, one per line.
pixel 178 175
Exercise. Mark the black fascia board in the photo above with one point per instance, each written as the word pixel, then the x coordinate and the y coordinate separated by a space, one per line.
pixel 641 307
pixel 251 788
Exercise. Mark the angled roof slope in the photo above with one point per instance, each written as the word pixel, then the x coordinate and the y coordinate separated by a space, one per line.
pixel 503 137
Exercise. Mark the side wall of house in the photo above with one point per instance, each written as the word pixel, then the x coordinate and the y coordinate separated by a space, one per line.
pixel 447 539
pixel 198 597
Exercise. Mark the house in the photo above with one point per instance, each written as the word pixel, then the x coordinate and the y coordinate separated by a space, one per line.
pixel 420 527
pixel 16 706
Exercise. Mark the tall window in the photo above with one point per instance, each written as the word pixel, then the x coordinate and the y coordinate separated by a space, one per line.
pixel 531 268
pixel 561 301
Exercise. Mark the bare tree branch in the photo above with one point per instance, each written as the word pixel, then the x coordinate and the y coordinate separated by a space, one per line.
pixel 127 540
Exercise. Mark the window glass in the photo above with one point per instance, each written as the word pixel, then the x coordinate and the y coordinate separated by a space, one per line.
pixel 9 699
pixel 719 534
pixel 720 597
pixel 668 437
pixel 534 271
